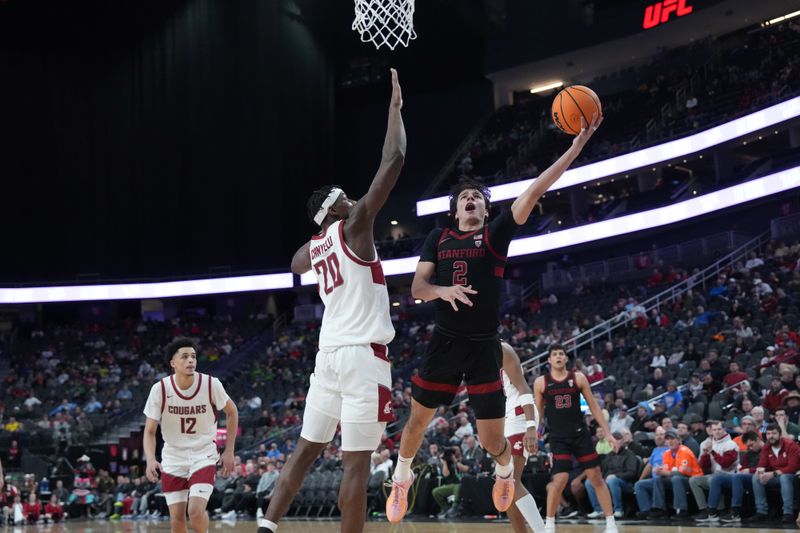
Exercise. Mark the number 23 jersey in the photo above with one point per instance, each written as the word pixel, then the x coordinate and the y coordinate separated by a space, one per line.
pixel 188 418
pixel 476 258
pixel 353 291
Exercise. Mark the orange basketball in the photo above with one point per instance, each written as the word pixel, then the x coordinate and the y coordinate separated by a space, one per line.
pixel 571 104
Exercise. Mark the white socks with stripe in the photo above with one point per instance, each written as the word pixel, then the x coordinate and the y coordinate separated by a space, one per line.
pixel 272 526
pixel 527 506
pixel 402 471
pixel 503 470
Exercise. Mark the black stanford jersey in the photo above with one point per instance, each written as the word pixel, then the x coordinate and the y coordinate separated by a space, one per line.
pixel 562 405
pixel 476 258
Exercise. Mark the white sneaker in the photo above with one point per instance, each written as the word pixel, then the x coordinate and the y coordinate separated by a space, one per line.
pixel 594 515
pixel 619 514
pixel 549 528
pixel 230 516
pixel 612 529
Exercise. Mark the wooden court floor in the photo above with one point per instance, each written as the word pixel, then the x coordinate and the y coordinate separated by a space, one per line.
pixel 375 527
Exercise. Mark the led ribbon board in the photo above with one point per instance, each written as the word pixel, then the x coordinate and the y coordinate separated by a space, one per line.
pixel 695 207
pixel 641 158
pixel 128 291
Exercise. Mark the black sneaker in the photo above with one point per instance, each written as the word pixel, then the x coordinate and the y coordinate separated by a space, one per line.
pixel 731 517
pixel 569 512
pixel 706 515
pixel 657 513
pixel 643 515
pixel 788 519
pixel 681 514
pixel 758 517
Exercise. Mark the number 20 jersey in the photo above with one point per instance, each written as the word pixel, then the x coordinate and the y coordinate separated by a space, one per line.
pixel 353 291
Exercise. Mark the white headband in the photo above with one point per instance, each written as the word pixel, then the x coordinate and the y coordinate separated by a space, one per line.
pixel 329 201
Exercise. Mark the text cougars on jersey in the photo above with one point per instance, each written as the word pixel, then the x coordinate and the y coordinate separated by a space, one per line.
pixel 320 249
pixel 462 253
pixel 186 409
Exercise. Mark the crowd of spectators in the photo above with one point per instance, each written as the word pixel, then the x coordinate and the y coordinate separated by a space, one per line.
pixel 724 352
pixel 722 79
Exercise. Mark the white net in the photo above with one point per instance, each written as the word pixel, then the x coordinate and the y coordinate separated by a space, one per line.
pixel 385 22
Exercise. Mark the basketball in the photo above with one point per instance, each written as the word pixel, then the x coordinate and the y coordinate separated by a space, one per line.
pixel 571 104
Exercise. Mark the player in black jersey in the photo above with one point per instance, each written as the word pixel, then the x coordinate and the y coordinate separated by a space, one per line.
pixel 461 268
pixel 558 394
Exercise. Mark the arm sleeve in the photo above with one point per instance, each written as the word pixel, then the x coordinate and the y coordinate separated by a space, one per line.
pixel 631 469
pixel 428 253
pixel 763 460
pixel 501 230
pixel 218 394
pixel 793 452
pixel 726 459
pixel 152 409
pixel 705 461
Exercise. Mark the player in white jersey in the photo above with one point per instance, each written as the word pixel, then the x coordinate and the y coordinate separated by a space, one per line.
pixel 351 382
pixel 522 420
pixel 185 404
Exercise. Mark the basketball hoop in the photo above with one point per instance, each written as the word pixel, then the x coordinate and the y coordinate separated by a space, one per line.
pixel 385 22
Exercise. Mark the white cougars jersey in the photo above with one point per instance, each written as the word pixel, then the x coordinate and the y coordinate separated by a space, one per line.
pixel 513 407
pixel 188 418
pixel 353 291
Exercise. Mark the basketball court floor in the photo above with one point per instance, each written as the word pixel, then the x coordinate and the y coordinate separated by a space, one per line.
pixel 378 527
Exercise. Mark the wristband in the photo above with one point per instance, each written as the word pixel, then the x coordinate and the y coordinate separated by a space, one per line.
pixel 530 424
pixel 526 399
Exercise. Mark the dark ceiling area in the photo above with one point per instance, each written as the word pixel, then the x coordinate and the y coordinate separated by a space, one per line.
pixel 182 137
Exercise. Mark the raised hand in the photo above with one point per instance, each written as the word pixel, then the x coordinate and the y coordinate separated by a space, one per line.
pixel 587 131
pixel 397 93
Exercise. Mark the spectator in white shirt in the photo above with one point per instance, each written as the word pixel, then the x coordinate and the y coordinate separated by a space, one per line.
pixel 621 420
pixel 753 262
pixel 658 361
pixel 464 427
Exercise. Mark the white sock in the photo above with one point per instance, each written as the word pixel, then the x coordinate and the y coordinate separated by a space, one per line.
pixel 610 522
pixel 503 470
pixel 272 526
pixel 527 506
pixel 402 471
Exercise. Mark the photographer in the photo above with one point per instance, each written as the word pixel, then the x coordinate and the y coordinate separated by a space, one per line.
pixel 451 469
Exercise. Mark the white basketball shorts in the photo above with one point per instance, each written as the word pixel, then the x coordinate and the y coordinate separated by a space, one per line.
pixel 188 473
pixel 351 385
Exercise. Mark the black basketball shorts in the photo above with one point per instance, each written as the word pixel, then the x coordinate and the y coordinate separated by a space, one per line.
pixel 451 358
pixel 579 446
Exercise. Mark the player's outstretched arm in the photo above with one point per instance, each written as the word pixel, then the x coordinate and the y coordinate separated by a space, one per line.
pixel 423 289
pixel 394 154
pixel 594 407
pixel 301 262
pixel 153 468
pixel 231 427
pixel 523 205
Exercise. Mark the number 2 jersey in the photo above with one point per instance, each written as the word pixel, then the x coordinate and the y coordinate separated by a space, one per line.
pixel 353 291
pixel 188 418
pixel 476 258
